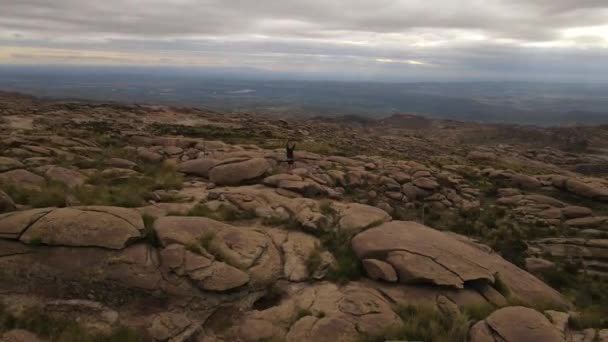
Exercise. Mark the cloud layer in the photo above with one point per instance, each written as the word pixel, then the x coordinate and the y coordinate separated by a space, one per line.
pixel 377 39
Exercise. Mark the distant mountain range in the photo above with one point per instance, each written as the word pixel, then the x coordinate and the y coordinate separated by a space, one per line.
pixel 509 102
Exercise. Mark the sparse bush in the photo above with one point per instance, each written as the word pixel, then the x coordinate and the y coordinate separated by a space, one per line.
pixel 348 267
pixel 51 195
pixel 478 312
pixel 425 323
pixel 593 317
pixel 149 232
pixel 326 207
pixel 313 261
pixel 501 287
pixel 302 313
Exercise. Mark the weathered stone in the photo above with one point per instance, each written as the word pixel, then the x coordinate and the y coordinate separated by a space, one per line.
pixel 515 324
pixel 537 265
pixel 422 254
pixel 22 178
pixel 238 172
pixel 174 327
pixel 426 183
pixel 93 316
pixel 377 269
pixel 576 212
pixel 198 167
pixel 589 190
pixel 14 223
pixel 70 178
pixel 7 164
pixel 121 163
pixel 219 277
pixel 355 217
pixel 6 203
pixel 108 227
pixel 19 335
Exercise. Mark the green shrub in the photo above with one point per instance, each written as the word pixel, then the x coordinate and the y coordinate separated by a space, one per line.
pixel 51 195
pixel 326 208
pixel 313 261
pixel 501 287
pixel 348 267
pixel 302 313
pixel 593 317
pixel 478 312
pixel 425 323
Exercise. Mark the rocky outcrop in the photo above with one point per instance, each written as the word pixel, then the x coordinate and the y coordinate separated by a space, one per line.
pixel 593 190
pixel 22 178
pixel 108 227
pixel 7 164
pixel 327 313
pixel 592 253
pixel 19 335
pixel 198 167
pixel 354 217
pixel 68 177
pixel 224 256
pixel 515 324
pixel 419 254
pixel 234 172
pixel 6 203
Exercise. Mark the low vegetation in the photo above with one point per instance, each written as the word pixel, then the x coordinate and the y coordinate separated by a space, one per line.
pixel 425 323
pixel 348 267
pixel 131 191
pixel 588 292
pixel 61 330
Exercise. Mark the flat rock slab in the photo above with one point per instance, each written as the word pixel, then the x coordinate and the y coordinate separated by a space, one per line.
pixel 239 171
pixel 15 223
pixel 355 217
pixel 108 227
pixel 198 167
pixel 515 324
pixel 420 254
pixel 22 178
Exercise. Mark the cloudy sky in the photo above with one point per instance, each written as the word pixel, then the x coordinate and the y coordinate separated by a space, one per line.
pixel 358 39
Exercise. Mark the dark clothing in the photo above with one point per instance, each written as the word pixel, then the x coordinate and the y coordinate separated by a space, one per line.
pixel 289 152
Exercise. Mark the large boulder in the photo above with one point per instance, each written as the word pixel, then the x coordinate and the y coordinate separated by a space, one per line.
pixel 239 171
pixel 70 178
pixel 303 258
pixel 354 217
pixel 108 227
pixel 515 324
pixel 589 190
pixel 22 178
pixel 6 202
pixel 14 223
pixel 319 312
pixel 593 253
pixel 197 167
pixel 19 335
pixel 110 275
pixel 230 256
pixel 7 164
pixel 420 254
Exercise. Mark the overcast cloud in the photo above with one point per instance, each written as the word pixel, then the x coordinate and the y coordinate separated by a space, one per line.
pixel 368 39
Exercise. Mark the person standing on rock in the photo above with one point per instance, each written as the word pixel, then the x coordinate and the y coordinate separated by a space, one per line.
pixel 289 149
